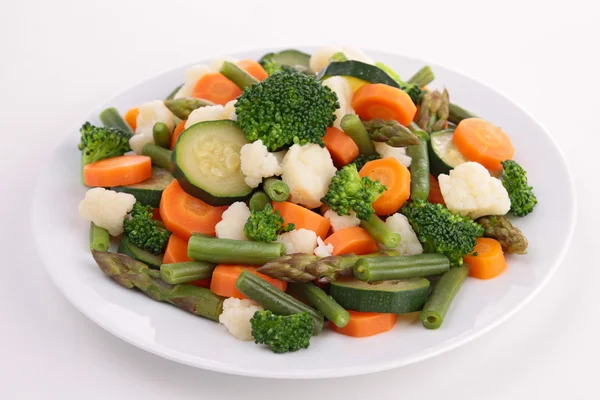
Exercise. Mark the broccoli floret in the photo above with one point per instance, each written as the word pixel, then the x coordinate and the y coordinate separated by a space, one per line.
pixel 414 91
pixel 98 143
pixel 441 231
pixel 514 179
pixel 286 108
pixel 348 191
pixel 282 333
pixel 265 225
pixel 144 232
pixel 362 159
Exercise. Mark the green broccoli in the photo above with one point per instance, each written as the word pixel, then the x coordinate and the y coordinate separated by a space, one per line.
pixel 286 108
pixel 514 179
pixel 144 232
pixel 98 143
pixel 265 225
pixel 282 333
pixel 441 231
pixel 348 191
pixel 362 159
pixel 414 91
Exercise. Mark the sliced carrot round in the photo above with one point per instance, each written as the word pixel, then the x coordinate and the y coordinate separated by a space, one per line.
pixel 363 324
pixel 217 88
pixel 341 146
pixel 435 193
pixel 302 218
pixel 224 277
pixel 487 260
pixel 177 132
pixel 118 171
pixel 176 250
pixel 131 117
pixel 395 177
pixel 483 142
pixel 377 100
pixel 253 68
pixel 354 240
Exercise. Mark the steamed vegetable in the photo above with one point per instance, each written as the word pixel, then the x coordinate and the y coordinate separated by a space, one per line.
pixel 265 225
pixel 99 238
pixel 228 251
pixel 215 87
pixel 381 232
pixel 233 221
pixel 257 163
pixel 236 317
pixel 186 271
pixel 487 260
pixel 445 290
pixel 276 189
pixel 514 179
pixel 323 302
pixel 224 278
pixel 118 171
pixel 106 209
pixel 433 111
pixel 400 267
pixel 391 133
pixel 282 333
pixel 98 143
pixel 143 231
pixel 111 118
pixel 422 77
pixel 302 218
pixel 363 324
pixel 376 100
pixel 354 240
pixel 395 177
pixel 500 228
pixel 353 127
pixel 419 167
pixel 183 107
pixel 298 241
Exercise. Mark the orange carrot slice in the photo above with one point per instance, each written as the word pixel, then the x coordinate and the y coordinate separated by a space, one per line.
pixel 177 132
pixel 395 177
pixel 253 68
pixel 224 277
pixel 489 260
pixel 363 324
pixel 302 217
pixel 435 193
pixel 217 88
pixel 118 171
pixel 131 117
pixel 341 146
pixel 176 250
pixel 377 100
pixel 351 240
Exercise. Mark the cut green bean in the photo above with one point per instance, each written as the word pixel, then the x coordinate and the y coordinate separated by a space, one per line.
pixel 458 113
pixel 354 127
pixel 419 166
pixel 276 189
pixel 323 302
pixel 112 119
pixel 229 251
pixel 237 75
pixel 381 232
pixel 159 155
pixel 161 135
pixel 187 271
pixel 258 201
pixel 171 95
pixel 99 238
pixel 400 267
pixel 422 77
pixel 437 305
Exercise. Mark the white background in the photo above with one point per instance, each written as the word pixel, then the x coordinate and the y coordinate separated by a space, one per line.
pixel 58 59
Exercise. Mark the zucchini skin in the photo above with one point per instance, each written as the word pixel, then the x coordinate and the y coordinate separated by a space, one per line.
pixel 129 249
pixel 357 69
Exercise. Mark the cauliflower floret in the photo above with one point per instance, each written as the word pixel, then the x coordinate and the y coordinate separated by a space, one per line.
pixel 190 77
pixel 210 113
pixel 323 250
pixel 150 113
pixel 232 222
pixel 320 58
pixel 299 241
pixel 471 191
pixel 307 170
pixel 106 208
pixel 258 163
pixel 399 153
pixel 340 86
pixel 409 244
pixel 341 221
pixel 236 317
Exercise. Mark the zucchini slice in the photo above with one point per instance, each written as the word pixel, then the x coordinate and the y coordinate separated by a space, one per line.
pixel 207 162
pixel 131 250
pixel 359 70
pixel 396 297
pixel 443 154
pixel 150 191
pixel 293 58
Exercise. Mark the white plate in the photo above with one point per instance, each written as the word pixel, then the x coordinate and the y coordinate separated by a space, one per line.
pixel 62 238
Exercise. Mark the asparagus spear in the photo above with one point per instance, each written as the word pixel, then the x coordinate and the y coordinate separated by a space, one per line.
pixel 499 227
pixel 434 111
pixel 130 273
pixel 183 107
pixel 390 132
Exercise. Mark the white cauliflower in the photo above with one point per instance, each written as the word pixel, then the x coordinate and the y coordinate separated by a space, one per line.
pixel 258 163
pixel 150 113
pixel 399 153
pixel 341 221
pixel 236 317
pixel 320 58
pixel 211 113
pixel 409 243
pixel 323 250
pixel 471 191
pixel 307 170
pixel 299 241
pixel 190 78
pixel 106 208
pixel 232 222
pixel 340 86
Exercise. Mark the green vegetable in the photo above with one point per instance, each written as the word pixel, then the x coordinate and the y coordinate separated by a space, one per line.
pixel 441 231
pixel 259 201
pixel 354 128
pixel 187 271
pixel 112 119
pixel 183 107
pixel 99 238
pixel 276 189
pixel 143 232
pixel 207 162
pixel 381 232
pixel 282 333
pixel 443 154
pixel 396 297
pixel 514 179
pixel 458 113
pixel 161 135
pixel 150 191
pixel 129 249
pixel 400 267
pixel 229 251
pixel 322 302
pixel 286 108
pixel 419 168
pixel 173 93
pixel 273 299
pixel 349 192
pixel 98 143
pixel 265 225
pixel 237 75
pixel 286 60
pixel 390 132
pixel 434 111
pixel 130 273
pixel 500 228
pixel 159 155
pixel 412 89
pixel 357 69
pixel 338 57
pixel 444 291
pixel 422 77
pixel 362 159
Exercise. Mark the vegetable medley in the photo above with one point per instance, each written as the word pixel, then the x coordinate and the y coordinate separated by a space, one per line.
pixel 278 195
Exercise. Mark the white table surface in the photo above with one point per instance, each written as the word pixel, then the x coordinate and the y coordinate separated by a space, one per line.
pixel 60 58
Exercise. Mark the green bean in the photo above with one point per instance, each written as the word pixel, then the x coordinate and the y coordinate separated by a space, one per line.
pixel 381 232
pixel 259 201
pixel 171 95
pixel 161 135
pixel 99 238
pixel 458 113
pixel 112 119
pixel 400 267
pixel 354 127
pixel 437 305
pixel 229 251
pixel 419 167
pixel 323 302
pixel 186 271
pixel 422 77
pixel 159 155
pixel 237 75
pixel 276 189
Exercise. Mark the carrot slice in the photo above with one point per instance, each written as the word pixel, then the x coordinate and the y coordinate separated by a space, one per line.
pixel 435 193
pixel 302 217
pixel 184 214
pixel 489 261
pixel 341 146
pixel 224 277
pixel 377 100
pixel 131 117
pixel 483 142
pixel 217 88
pixel 253 68
pixel 352 240
pixel 118 171
pixel 156 214
pixel 395 177
pixel 176 250
pixel 177 132
pixel 363 324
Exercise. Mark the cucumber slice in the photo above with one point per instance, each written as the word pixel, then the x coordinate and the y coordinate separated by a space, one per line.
pixel 359 70
pixel 443 154
pixel 396 297
pixel 131 250
pixel 150 191
pixel 207 162
pixel 290 57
